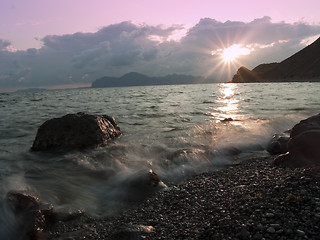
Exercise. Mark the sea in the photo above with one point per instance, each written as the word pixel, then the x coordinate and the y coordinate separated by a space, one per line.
pixel 175 131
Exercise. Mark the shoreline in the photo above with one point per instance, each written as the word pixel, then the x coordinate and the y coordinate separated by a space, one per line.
pixel 250 200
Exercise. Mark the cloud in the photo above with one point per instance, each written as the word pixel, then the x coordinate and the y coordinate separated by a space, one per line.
pixel 120 48
pixel 211 32
pixel 4 44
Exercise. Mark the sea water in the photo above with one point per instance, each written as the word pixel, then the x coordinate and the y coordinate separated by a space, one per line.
pixel 177 131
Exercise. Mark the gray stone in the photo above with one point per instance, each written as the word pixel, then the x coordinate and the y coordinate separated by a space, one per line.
pixel 271 230
pixel 257 236
pixel 244 234
pixel 300 233
pixel 269 215
pixel 275 225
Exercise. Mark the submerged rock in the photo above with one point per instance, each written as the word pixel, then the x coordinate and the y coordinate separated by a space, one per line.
pixel 141 184
pixel 75 131
pixel 303 146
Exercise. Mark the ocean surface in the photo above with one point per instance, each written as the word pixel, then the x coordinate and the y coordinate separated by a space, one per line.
pixel 177 131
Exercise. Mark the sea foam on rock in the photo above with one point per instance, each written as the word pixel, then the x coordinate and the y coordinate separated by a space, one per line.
pixel 75 132
pixel 303 145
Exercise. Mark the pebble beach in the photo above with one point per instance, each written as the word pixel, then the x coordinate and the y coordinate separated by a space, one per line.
pixel 248 200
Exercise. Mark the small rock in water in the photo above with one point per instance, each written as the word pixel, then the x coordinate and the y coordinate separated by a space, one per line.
pixel 227 119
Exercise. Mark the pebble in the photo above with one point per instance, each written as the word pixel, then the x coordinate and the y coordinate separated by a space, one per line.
pixel 257 236
pixel 300 233
pixel 269 215
pixel 275 225
pixel 271 230
pixel 280 231
pixel 260 226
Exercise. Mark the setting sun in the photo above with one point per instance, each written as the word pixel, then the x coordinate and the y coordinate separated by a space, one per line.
pixel 231 53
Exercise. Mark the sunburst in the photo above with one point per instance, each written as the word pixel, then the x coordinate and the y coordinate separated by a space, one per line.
pixel 231 53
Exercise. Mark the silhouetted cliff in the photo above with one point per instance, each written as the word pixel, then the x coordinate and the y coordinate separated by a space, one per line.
pixel 302 66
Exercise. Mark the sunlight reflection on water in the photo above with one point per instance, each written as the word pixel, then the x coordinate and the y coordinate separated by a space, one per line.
pixel 228 107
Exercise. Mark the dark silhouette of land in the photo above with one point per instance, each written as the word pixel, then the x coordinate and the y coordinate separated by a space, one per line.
pixel 300 67
pixel 138 79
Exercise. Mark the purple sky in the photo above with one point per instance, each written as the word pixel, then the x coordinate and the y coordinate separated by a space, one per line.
pixel 23 21
pixel 73 42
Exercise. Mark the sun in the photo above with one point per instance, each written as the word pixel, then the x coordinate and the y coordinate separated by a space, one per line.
pixel 231 53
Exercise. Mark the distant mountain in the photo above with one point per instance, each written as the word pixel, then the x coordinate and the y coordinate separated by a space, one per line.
pixel 138 79
pixel 302 66
pixel 32 90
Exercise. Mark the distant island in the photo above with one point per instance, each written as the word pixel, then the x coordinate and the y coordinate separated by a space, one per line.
pixel 32 90
pixel 300 67
pixel 138 79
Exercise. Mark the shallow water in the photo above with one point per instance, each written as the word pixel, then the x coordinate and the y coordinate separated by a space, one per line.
pixel 175 130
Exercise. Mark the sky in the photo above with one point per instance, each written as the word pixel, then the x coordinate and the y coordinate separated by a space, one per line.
pixel 73 42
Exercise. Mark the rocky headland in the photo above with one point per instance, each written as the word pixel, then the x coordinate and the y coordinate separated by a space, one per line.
pixel 302 66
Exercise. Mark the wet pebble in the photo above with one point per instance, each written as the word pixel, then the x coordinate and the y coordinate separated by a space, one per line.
pixel 271 230
pixel 269 215
pixel 300 233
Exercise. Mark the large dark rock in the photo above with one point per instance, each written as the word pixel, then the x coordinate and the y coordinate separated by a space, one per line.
pixel 75 132
pixel 311 123
pixel 303 146
pixel 27 216
pixel 24 217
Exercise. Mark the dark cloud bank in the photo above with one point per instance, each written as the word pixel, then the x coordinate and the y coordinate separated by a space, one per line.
pixel 125 47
